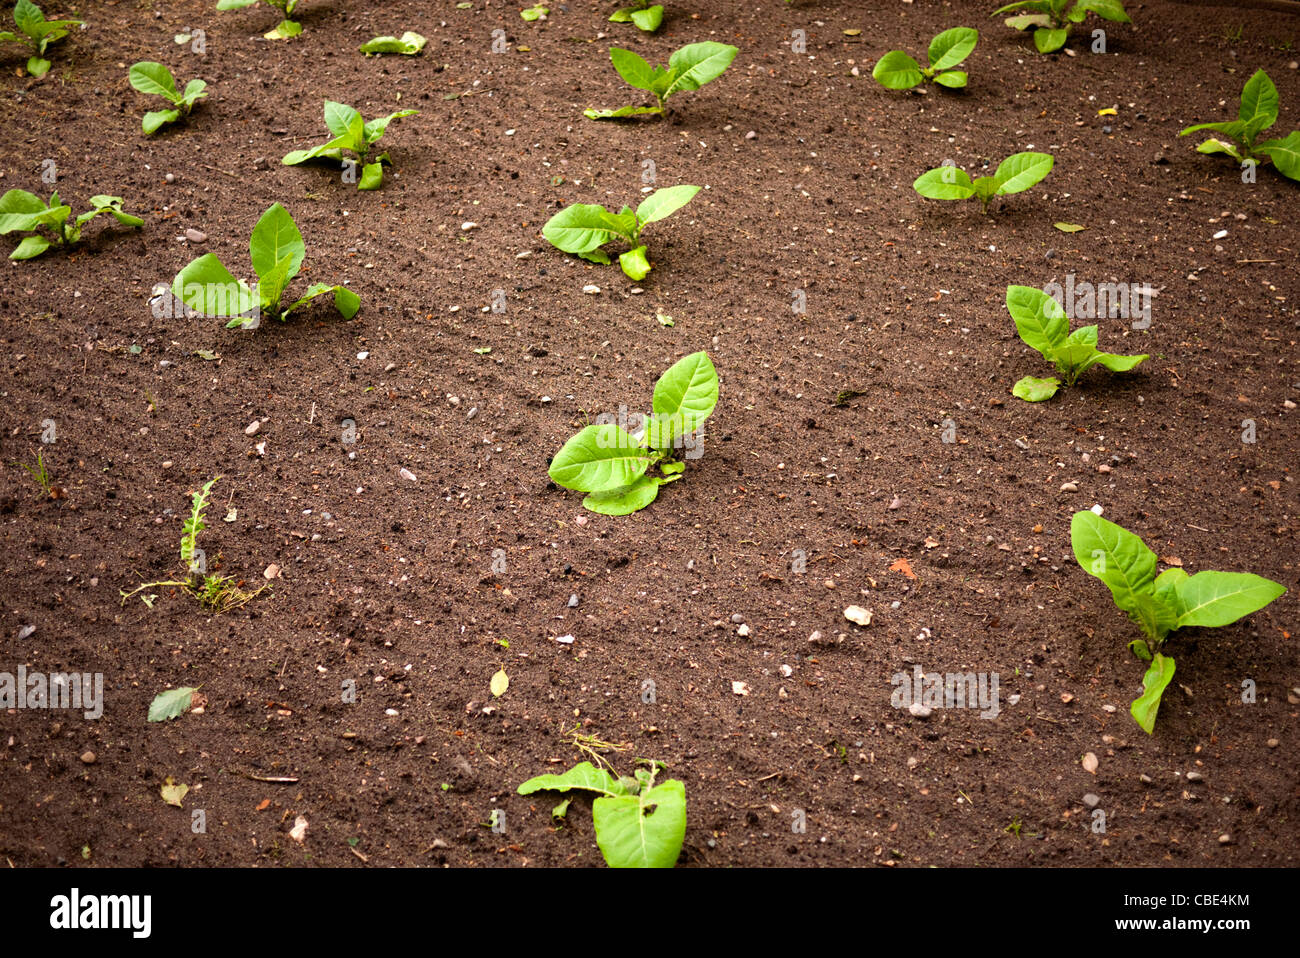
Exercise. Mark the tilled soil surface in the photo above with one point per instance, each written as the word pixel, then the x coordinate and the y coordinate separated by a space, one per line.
pixel 418 590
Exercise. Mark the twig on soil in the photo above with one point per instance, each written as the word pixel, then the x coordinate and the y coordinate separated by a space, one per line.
pixel 272 779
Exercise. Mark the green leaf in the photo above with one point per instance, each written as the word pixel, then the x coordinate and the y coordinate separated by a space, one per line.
pixel 155 120
pixel 150 77
pixel 409 43
pixel 1069 227
pixel 620 113
pixel 664 203
pixel 378 126
pixel 599 458
pixel 687 391
pixel 1118 364
pixel 1218 146
pixel 952 47
pixel 696 64
pixel 1040 320
pixel 170 704
pixel 1048 40
pixel 634 263
pixel 624 500
pixel 583 777
pixel 1038 6
pixel 1158 676
pixel 29 18
pixel 897 71
pixel 194 91
pixel 271 284
pixel 1020 171
pixel 234 4
pixel 331 149
pixel 648 19
pixel 274 237
pixel 207 287
pixel 945 183
pixel 372 176
pixel 953 79
pixel 1213 599
pixel 582 227
pixel 20 210
pixel 1115 556
pixel 535 12
pixel 1106 9
pixel 1284 153
pixel 30 247
pixel 38 66
pixel 632 68
pixel 1029 20
pixel 284 30
pixel 1232 129
pixel 339 118
pixel 346 302
pixel 1033 389
pixel 644 830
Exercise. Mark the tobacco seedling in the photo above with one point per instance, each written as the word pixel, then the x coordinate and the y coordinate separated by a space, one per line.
pixel 409 44
pixel 1161 604
pixel 1017 173
pixel 898 71
pixel 353 133
pixel 277 251
pixel 611 464
pixel 645 16
pixel 150 77
pixel 216 593
pixel 689 68
pixel 285 29
pixel 25 212
pixel 37 33
pixel 1257 112
pixel 585 227
pixel 638 824
pixel 1051 20
pixel 1043 325
pixel 536 12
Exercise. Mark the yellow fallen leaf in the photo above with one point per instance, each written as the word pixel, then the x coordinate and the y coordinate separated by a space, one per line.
pixel 500 682
pixel 1109 111
pixel 173 793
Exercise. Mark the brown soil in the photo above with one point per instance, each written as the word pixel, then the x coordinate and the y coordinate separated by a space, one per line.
pixel 389 582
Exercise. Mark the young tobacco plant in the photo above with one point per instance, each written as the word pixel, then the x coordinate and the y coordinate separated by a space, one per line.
pixel 25 212
pixel 611 465
pixel 645 16
pixel 277 251
pixel 898 71
pixel 689 68
pixel 285 29
pixel 583 228
pixel 1161 604
pixel 1044 326
pixel 150 77
pixel 1017 173
pixel 1257 112
pixel 638 824
pixel 37 33
pixel 1051 20
pixel 351 132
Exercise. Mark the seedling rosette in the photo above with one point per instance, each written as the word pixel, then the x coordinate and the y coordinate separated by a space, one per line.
pixel 612 465
pixel 1161 604
pixel 1017 173
pixel 641 13
pixel 37 33
pixel 150 77
pixel 1052 20
pixel 1237 138
pixel 583 228
pixel 689 68
pixel 898 71
pixel 285 29
pixel 1043 325
pixel 355 134
pixel 25 212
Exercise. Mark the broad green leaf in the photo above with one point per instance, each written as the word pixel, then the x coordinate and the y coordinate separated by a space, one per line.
pixel 409 43
pixel 1037 6
pixel 271 284
pixel 953 79
pixel 1258 100
pixel 1078 352
pixel 207 287
pixel 339 117
pixel 38 66
pixel 30 247
pixel 650 18
pixel 378 126
pixel 696 64
pixel 599 458
pixel 1029 20
pixel 194 91
pixel 1020 171
pixel 583 777
pixel 150 77
pixel 1118 364
pixel 346 302
pixel 951 47
pixel 1232 129
pixel 1284 153
pixel 234 4
pixel 170 704
pixel 535 12
pixel 689 389
pixel 1106 9
pixel 1048 39
pixel 1213 599
pixel 897 71
pixel 620 113
pixel 331 149
pixel 20 210
pixel 596 256
pixel 1039 319
pixel 626 500
pixel 985 187
pixel 664 203
pixel 372 176
pixel 632 68
pixel 623 15
pixel 155 120
pixel 1115 556
pixel 1158 676
pixel 274 237
pixel 944 183
pixel 1033 389
pixel 284 30
pixel 112 205
pixel 644 830
pixel 29 18
pixel 1213 145
pixel 581 228
pixel 1165 588
pixel 634 263
pixel 1156 617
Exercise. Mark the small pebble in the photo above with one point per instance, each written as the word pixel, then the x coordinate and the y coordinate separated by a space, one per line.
pixel 920 711
pixel 1091 800
pixel 573 601
pixel 252 428
pixel 196 236
pixel 407 475
pixel 88 757
pixel 1069 487
pixel 591 289
pixel 1195 777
